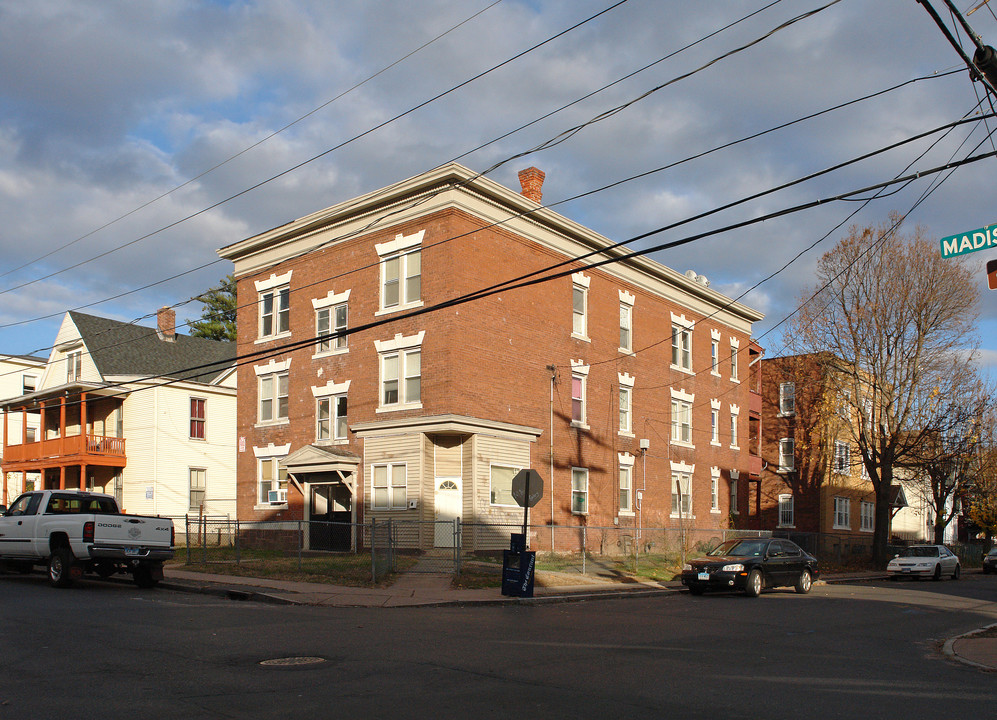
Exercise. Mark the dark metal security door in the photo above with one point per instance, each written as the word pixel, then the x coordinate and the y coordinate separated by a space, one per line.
pixel 331 516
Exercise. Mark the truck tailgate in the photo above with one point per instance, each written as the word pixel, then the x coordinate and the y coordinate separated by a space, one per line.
pixel 124 536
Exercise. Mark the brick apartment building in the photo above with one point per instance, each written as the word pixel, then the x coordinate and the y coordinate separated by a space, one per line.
pixel 630 387
pixel 813 481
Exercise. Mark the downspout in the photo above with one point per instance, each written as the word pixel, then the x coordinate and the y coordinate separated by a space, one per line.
pixel 553 381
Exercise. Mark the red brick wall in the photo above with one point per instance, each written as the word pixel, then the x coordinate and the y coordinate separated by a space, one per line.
pixel 488 359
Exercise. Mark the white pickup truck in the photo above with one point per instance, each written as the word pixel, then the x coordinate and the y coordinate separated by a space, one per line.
pixel 73 532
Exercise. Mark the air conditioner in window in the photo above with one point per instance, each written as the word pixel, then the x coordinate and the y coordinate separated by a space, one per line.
pixel 413 504
pixel 277 497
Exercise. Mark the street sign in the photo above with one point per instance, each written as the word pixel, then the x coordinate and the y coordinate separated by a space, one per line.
pixel 532 479
pixel 968 242
pixel 992 274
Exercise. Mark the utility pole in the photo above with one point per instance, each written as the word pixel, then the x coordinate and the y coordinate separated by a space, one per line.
pixel 983 65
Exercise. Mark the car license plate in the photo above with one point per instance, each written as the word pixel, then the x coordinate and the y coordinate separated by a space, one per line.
pixel 133 551
pixel 704 576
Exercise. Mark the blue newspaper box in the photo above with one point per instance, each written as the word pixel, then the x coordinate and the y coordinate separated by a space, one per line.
pixel 518 565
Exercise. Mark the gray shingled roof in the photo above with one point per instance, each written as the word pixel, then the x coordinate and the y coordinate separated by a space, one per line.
pixel 119 348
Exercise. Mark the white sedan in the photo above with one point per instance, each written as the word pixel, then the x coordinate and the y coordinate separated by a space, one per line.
pixel 932 561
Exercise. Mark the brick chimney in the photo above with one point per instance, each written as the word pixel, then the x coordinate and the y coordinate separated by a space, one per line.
pixel 167 321
pixel 532 180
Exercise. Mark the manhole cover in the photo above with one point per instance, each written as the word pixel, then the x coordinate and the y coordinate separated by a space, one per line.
pixel 292 661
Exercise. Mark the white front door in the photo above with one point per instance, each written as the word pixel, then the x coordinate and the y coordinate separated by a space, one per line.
pixel 448 508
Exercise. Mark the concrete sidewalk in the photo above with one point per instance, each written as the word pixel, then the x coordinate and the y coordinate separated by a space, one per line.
pixel 977 649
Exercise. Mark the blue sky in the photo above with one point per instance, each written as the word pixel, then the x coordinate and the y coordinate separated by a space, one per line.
pixel 108 105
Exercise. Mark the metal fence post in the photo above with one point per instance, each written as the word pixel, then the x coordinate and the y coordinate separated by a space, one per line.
pixel 391 546
pixel 373 551
pixel 202 530
pixel 584 546
pixel 456 546
pixel 301 542
pixel 238 553
pixel 186 535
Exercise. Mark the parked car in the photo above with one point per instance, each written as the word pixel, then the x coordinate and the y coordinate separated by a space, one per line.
pixel 990 561
pixel 932 561
pixel 751 564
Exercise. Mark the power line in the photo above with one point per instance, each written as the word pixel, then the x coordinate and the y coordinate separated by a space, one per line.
pixel 320 155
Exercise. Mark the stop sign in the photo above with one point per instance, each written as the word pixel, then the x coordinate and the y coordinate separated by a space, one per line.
pixel 519 484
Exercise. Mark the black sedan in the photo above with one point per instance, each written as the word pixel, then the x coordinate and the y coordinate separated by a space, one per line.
pixel 751 564
pixel 990 561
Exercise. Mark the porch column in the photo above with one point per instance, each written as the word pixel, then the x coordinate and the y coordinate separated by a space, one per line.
pixel 83 422
pixel 24 427
pixel 62 427
pixel 41 413
pixel 62 477
pixel 83 477
pixel 24 481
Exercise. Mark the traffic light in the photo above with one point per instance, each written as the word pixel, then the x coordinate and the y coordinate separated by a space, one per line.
pixel 992 274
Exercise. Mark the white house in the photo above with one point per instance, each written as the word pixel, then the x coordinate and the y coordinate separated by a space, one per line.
pixel 144 414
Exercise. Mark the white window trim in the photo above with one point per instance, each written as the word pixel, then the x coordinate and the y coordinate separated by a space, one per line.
pixel 735 475
pixel 571 480
pixel 273 283
pixel 627 383
pixel 582 370
pixel 715 490
pixel 682 468
pixel 787 468
pixel 735 346
pixel 862 505
pixel 626 460
pixel 388 467
pixel 782 398
pixel 330 302
pixel 848 502
pixel 492 465
pixel 270 452
pixel 400 247
pixel 792 500
pixel 683 323
pixel 715 346
pixel 715 422
pixel 582 281
pixel 627 300
pixel 735 414
pixel 274 369
pixel 330 390
pixel 690 399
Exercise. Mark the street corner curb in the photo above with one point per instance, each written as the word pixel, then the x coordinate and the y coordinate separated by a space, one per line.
pixel 596 595
pixel 949 648
pixel 228 592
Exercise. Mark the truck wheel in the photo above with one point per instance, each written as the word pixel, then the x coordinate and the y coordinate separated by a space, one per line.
pixel 143 577
pixel 60 567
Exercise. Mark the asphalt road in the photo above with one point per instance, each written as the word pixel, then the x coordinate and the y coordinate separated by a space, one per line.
pixel 868 649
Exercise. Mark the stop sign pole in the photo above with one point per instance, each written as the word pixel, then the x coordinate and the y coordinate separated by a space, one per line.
pixel 527 489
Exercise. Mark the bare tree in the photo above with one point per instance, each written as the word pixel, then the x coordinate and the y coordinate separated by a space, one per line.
pixel 981 495
pixel 888 313
pixel 943 464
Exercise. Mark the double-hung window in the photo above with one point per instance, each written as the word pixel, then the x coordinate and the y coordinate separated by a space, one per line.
pixel 198 487
pixel 715 352
pixel 626 488
pixel 330 415
pixel 401 271
pixel 74 366
pixel 842 457
pixel 273 397
pixel 787 398
pixel 681 347
pixel 197 418
pixel 328 321
pixel 275 306
pixel 579 491
pixel 842 513
pixel 626 321
pixel 681 417
pixel 28 384
pixel 401 372
pixel 868 511
pixel 272 482
pixel 733 361
pixel 579 306
pixel 626 403
pixel 389 489
pixel 787 455
pixel 734 476
pixel 579 382
pixel 715 490
pixel 681 494
pixel 787 517
pixel 734 413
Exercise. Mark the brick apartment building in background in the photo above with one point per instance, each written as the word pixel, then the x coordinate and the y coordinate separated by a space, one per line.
pixel 813 481
pixel 627 386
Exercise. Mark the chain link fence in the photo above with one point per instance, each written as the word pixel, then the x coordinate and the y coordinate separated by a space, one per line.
pixel 369 553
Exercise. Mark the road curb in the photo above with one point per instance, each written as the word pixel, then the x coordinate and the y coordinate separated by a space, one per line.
pixel 949 648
